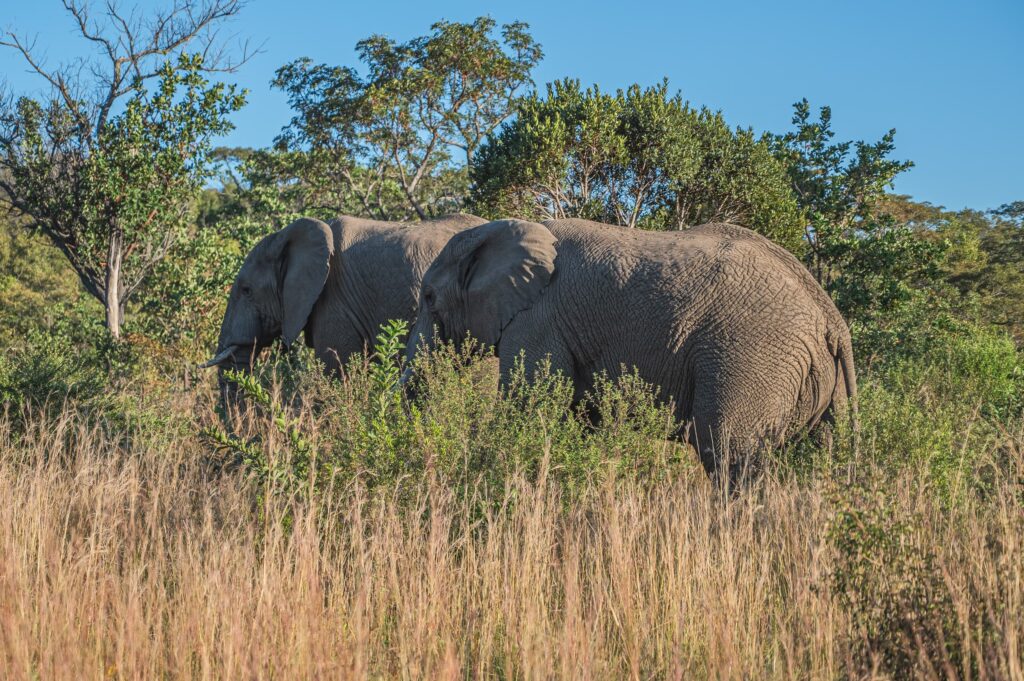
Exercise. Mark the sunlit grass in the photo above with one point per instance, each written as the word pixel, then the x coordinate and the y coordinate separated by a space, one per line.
pixel 123 556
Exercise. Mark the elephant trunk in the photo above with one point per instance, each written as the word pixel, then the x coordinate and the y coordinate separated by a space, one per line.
pixel 228 390
pixel 239 343
pixel 242 336
pixel 232 358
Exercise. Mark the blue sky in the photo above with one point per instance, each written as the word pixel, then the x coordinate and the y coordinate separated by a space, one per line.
pixel 949 76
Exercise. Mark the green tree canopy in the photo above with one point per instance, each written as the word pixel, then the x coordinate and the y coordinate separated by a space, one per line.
pixel 869 259
pixel 639 158
pixel 394 142
pixel 110 178
pixel 984 262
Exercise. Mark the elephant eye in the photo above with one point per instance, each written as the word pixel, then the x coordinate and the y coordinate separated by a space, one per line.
pixel 428 297
pixel 245 290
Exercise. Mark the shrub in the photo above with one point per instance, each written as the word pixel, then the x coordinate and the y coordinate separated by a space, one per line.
pixel 940 406
pixel 48 368
pixel 887 580
pixel 303 431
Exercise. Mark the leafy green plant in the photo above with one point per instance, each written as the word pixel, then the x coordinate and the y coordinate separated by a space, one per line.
pixel 939 400
pixel 47 369
pixel 886 579
pixel 281 453
pixel 641 157
pixel 386 427
pixel 480 437
pixel 282 463
pixel 633 428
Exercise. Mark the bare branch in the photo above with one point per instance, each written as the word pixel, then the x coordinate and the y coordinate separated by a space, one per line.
pixel 81 16
pixel 134 43
pixel 188 20
pixel 57 79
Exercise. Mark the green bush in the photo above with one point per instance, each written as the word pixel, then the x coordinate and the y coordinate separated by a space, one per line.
pixel 887 580
pixel 477 434
pixel 303 432
pixel 940 405
pixel 49 368
pixel 123 387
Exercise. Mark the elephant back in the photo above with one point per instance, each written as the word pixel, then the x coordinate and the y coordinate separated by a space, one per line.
pixel 784 259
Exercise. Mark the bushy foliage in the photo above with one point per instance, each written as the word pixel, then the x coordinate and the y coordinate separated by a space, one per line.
pixel 887 580
pixel 71 364
pixel 48 369
pixel 941 409
pixel 314 432
pixel 983 263
pixel 36 284
pixel 393 141
pixel 640 158
pixel 185 299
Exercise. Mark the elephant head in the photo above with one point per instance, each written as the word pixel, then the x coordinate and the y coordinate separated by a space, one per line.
pixel 480 281
pixel 274 293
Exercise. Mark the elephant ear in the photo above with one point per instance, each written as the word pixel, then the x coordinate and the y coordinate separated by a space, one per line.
pixel 305 250
pixel 504 268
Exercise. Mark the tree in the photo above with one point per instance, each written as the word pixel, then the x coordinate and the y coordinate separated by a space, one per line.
pixel 1002 282
pixel 639 158
pixel 387 144
pixel 984 261
pixel 862 254
pixel 875 261
pixel 107 168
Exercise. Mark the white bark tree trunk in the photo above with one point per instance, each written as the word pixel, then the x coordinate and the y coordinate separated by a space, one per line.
pixel 113 284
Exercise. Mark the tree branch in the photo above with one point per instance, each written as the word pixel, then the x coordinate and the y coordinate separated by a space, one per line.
pixel 57 79
pixel 89 277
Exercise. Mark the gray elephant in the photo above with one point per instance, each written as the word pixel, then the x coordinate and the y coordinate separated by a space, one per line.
pixel 729 325
pixel 338 282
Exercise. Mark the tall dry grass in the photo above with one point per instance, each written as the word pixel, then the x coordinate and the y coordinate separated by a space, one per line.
pixel 125 560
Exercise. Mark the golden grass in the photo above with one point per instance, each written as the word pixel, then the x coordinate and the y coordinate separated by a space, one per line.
pixel 130 562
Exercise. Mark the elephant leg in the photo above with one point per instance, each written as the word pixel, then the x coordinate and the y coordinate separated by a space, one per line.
pixel 731 430
pixel 823 435
pixel 729 454
pixel 823 432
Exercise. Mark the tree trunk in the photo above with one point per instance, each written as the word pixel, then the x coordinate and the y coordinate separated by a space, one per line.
pixel 115 311
pixel 415 204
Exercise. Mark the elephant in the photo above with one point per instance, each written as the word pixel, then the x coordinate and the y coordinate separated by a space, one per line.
pixel 730 326
pixel 336 282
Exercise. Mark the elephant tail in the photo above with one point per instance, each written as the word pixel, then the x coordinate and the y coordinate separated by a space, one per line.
pixel 847 373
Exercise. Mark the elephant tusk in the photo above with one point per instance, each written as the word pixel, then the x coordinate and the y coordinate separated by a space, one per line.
pixel 220 357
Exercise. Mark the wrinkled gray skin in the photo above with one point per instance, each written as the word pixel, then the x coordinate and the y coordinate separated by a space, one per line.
pixel 730 326
pixel 336 282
